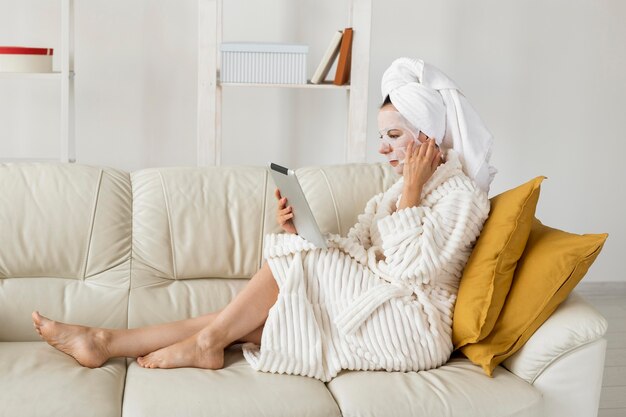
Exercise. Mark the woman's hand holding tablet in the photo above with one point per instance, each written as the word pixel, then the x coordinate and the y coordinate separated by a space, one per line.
pixel 284 214
pixel 304 224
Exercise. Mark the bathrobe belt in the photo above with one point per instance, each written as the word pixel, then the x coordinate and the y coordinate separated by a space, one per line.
pixel 362 307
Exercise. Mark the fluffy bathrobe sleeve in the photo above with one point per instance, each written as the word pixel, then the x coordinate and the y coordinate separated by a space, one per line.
pixel 418 242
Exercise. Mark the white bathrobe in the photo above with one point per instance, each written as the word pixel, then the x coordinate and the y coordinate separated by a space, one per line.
pixel 383 296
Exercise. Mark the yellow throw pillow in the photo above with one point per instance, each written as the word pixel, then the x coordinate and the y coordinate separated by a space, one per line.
pixel 552 264
pixel 489 270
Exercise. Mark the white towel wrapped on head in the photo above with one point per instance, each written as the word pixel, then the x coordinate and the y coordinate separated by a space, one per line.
pixel 434 104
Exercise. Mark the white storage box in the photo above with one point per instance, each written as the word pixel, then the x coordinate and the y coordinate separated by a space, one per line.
pixel 22 59
pixel 268 63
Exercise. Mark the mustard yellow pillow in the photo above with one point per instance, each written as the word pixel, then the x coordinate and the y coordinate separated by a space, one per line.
pixel 552 264
pixel 487 275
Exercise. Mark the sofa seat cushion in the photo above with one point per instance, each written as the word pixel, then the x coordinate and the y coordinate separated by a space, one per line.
pixel 235 390
pixel 38 380
pixel 458 388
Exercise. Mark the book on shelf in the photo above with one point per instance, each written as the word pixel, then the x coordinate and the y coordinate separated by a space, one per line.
pixel 25 59
pixel 327 60
pixel 342 75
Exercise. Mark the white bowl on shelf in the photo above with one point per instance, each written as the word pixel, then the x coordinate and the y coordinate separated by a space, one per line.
pixel 25 59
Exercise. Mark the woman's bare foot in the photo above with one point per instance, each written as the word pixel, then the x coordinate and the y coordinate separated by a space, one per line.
pixel 197 351
pixel 85 344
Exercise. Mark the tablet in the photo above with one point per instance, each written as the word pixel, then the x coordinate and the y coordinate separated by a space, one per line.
pixel 306 225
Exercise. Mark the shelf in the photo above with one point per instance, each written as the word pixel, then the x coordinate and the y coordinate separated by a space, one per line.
pixel 326 85
pixel 8 160
pixel 65 77
pixel 55 75
pixel 210 87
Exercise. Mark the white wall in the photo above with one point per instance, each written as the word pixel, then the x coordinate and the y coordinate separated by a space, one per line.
pixel 547 78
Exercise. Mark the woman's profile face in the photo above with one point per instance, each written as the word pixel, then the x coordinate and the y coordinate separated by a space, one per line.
pixel 395 134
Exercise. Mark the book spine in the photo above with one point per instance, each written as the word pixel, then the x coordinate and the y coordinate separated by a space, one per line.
pixel 327 60
pixel 342 76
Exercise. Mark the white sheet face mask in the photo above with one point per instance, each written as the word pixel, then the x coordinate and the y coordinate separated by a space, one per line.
pixel 395 135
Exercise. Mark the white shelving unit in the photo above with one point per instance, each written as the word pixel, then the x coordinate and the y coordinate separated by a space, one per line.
pixel 67 147
pixel 209 128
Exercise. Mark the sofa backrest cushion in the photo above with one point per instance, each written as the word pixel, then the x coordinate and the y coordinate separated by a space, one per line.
pixel 198 222
pixel 64 246
pixel 198 230
pixel 338 193
pixel 211 222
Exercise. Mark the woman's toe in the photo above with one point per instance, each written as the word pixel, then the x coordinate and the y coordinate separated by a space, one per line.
pixel 36 318
pixel 145 361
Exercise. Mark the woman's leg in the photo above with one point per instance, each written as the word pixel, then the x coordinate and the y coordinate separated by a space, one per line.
pixel 143 340
pixel 92 346
pixel 243 316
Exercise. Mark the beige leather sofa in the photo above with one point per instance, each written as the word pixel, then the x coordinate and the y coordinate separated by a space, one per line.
pixel 104 247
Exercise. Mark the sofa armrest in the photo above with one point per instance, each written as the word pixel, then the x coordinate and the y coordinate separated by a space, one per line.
pixel 573 324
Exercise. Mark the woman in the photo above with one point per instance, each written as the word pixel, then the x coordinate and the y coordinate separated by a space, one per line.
pixel 379 298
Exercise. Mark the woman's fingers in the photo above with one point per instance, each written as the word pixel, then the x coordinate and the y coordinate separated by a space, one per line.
pixel 282 202
pixel 412 150
pixel 435 160
pixel 433 154
pixel 430 149
pixel 284 215
pixel 420 150
pixel 284 219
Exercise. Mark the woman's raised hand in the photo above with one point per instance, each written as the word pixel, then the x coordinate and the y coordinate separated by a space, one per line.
pixel 284 214
pixel 420 163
